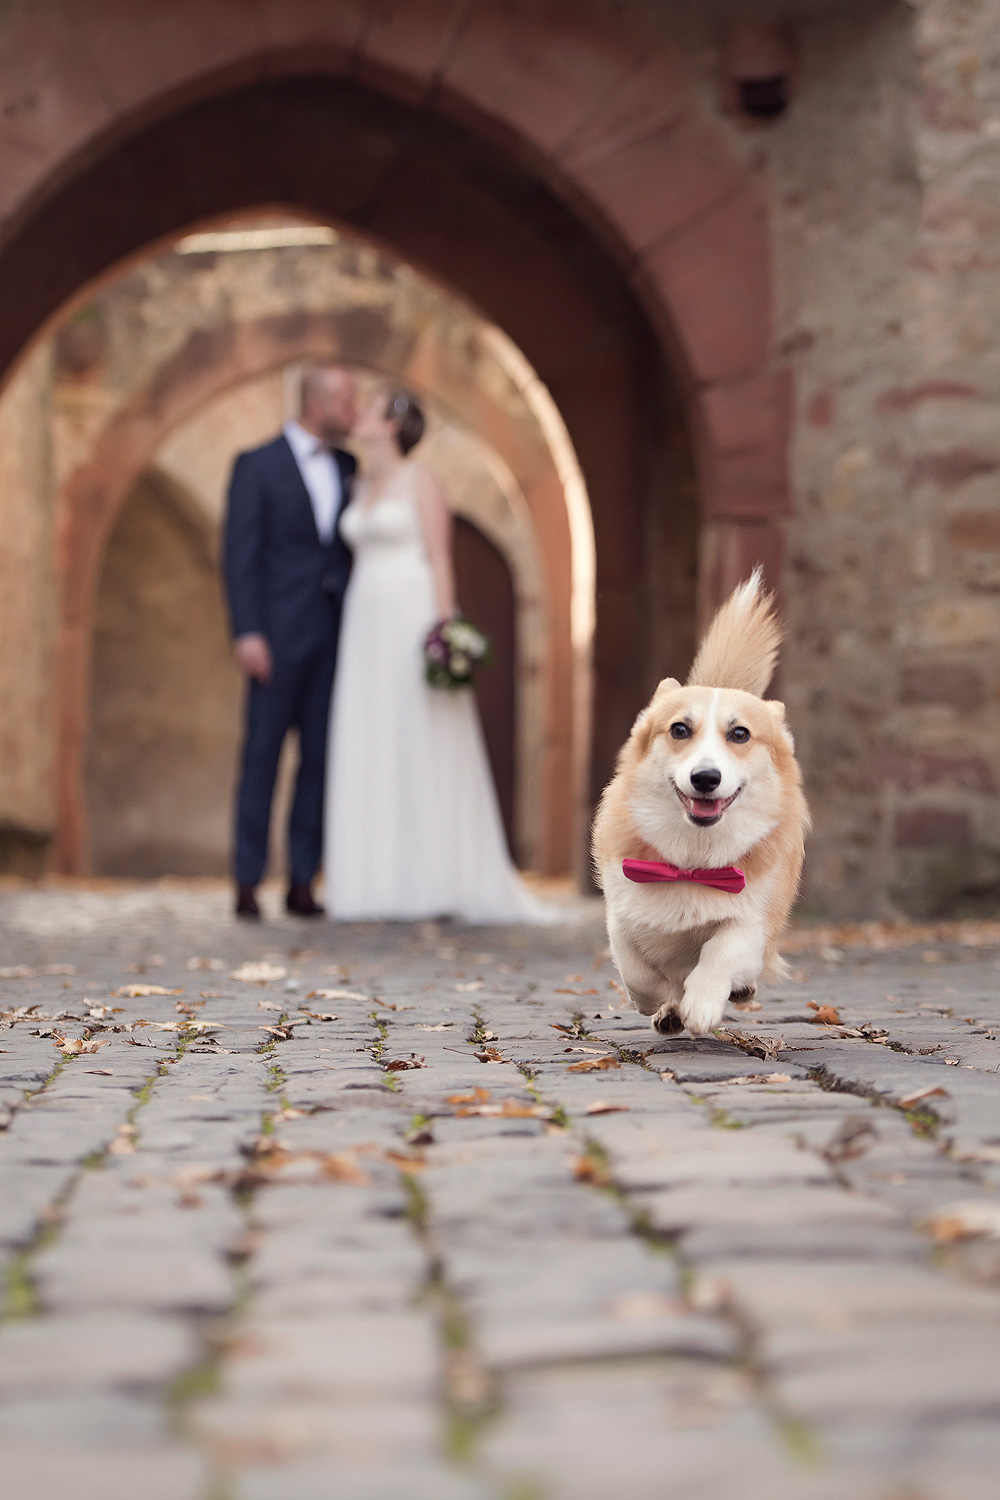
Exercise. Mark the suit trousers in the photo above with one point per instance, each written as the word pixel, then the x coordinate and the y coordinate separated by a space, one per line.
pixel 297 697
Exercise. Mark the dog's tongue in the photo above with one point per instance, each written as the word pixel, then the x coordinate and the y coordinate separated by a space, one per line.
pixel 703 808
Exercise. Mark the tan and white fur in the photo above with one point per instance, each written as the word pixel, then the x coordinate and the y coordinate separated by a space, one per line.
pixel 707 778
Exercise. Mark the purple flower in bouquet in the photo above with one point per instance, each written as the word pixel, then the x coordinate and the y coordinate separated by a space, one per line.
pixel 452 651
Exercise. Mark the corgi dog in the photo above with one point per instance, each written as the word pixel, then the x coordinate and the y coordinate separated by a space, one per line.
pixel 699 837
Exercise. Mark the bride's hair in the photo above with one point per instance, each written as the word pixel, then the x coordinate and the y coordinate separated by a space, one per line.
pixel 403 409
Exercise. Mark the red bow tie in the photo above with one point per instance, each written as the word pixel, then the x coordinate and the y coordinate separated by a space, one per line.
pixel 648 871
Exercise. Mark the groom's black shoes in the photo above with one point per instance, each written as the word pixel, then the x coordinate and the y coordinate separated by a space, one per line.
pixel 299 900
pixel 246 902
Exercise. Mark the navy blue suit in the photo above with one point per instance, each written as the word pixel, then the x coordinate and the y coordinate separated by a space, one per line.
pixel 284 583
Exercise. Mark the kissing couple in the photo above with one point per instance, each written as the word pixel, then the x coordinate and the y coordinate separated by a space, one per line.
pixel 335 573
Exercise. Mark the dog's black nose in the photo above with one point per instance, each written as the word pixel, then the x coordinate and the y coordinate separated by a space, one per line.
pixel 705 782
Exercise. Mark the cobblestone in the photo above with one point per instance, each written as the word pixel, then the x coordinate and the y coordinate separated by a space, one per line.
pixel 444 1220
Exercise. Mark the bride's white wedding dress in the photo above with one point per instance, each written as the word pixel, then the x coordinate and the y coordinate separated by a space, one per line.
pixel 412 825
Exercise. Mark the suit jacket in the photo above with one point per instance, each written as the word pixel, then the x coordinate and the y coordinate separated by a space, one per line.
pixel 282 581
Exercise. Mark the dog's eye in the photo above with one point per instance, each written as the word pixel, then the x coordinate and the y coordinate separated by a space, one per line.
pixel 680 731
pixel 738 735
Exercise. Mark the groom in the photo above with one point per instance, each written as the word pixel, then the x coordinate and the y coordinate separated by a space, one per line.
pixel 286 570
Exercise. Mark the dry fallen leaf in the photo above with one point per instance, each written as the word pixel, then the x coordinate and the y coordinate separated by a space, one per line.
pixel 577 992
pixel 409 1164
pixel 341 1167
pixel 471 987
pixel 764 1047
pixel 72 1046
pixel 588 1169
pixel 143 991
pixel 594 1065
pixel 924 1093
pixel 510 1109
pixel 124 1141
pixel 319 1015
pixel 750 1004
pixel 442 1027
pixel 204 963
pixel 826 1015
pixel 602 1107
pixel 853 1137
pixel 189 1008
pixel 403 1064
pixel 754 1078
pixel 269 1005
pixel 258 973
pixel 212 994
pixel 336 995
pixel 490 1054
pixel 965 1221
pixel 476 1096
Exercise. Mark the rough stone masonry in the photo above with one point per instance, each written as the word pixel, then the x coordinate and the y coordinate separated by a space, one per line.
pixel 428 1214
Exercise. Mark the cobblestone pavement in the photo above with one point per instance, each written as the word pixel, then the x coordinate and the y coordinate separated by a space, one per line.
pixel 425 1214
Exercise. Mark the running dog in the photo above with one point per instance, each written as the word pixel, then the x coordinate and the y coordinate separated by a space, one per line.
pixel 698 841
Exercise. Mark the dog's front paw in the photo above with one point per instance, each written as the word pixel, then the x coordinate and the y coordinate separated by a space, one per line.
pixel 702 1009
pixel 666 1021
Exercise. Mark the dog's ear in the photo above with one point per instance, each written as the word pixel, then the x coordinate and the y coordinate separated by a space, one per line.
pixel 642 731
pixel 666 685
pixel 778 713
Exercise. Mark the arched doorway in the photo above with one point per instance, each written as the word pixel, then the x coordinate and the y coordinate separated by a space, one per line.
pixel 587 209
pixel 484 582
pixel 163 736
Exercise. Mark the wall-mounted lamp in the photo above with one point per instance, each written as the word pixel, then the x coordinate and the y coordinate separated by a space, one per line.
pixel 758 62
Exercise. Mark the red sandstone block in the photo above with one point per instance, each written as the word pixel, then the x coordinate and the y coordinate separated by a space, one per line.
pixel 139 52
pixel 655 184
pixel 540 69
pixel 902 398
pixel 911 770
pixel 50 101
pixel 951 468
pixel 952 684
pixel 405 42
pixel 742 433
pixel 975 530
pixel 648 102
pixel 931 828
pixel 714 281
pixel 819 412
pixel 730 551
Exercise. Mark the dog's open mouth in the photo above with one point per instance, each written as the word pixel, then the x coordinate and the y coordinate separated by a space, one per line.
pixel 705 812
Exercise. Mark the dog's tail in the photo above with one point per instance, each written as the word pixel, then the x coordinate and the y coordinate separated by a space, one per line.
pixel 741 647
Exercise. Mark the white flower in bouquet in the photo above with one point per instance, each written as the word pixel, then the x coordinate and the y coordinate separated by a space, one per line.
pixel 465 637
pixel 460 664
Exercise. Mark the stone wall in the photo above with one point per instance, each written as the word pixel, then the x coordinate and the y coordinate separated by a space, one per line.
pixel 883 179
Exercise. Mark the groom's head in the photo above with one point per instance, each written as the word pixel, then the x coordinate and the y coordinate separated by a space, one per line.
pixel 328 403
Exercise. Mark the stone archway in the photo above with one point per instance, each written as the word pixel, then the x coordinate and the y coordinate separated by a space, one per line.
pixel 551 163
pixel 208 365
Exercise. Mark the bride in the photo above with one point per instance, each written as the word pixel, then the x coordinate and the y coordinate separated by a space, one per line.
pixel 412 825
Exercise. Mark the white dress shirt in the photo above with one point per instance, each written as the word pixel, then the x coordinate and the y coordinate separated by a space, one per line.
pixel 320 474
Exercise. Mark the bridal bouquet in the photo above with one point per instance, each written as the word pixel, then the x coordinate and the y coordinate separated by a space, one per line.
pixel 452 651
